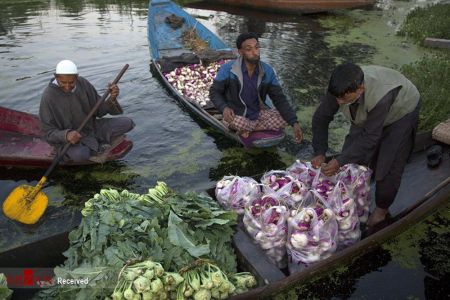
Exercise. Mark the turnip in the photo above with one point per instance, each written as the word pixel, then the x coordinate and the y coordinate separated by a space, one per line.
pixel 128 293
pixel 299 240
pixel 141 284
pixel 156 286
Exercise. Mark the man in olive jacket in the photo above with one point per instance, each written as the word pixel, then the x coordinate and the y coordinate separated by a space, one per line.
pixel 241 87
pixel 383 108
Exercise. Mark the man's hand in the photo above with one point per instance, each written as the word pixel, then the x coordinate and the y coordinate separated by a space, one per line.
pixel 228 115
pixel 298 134
pixel 318 161
pixel 114 90
pixel 73 137
pixel 331 168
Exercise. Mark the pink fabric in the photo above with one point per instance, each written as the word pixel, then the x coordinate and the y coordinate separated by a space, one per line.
pixel 267 137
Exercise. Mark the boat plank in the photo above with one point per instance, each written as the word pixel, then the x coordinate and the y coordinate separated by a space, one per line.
pixel 437 43
pixel 296 6
pixel 253 259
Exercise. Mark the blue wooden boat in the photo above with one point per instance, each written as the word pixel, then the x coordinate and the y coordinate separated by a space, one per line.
pixel 166 42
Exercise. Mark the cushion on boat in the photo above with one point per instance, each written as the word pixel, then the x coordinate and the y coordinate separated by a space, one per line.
pixel 442 132
pixel 263 138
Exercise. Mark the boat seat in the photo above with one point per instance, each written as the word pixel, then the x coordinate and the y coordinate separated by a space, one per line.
pixel 441 132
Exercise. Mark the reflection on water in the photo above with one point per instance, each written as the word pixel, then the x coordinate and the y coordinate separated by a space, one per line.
pixel 169 144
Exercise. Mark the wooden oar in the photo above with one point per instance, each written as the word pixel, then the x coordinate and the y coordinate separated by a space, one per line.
pixel 27 204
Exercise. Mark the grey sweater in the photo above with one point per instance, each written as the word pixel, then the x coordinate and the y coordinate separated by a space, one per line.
pixel 60 112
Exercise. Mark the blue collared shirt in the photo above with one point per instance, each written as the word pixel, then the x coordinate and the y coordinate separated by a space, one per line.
pixel 249 92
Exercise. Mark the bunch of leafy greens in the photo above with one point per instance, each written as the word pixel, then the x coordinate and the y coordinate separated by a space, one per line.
pixel 170 228
pixel 5 293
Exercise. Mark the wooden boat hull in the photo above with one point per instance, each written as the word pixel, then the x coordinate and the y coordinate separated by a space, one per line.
pixel 296 6
pixel 422 191
pixel 165 41
pixel 22 143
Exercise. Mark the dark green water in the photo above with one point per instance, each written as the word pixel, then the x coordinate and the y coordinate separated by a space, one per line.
pixel 169 145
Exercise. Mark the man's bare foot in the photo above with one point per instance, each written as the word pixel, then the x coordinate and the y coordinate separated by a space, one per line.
pixel 377 216
pixel 245 134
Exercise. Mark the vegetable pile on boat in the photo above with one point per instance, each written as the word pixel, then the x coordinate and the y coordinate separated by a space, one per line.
pixel 170 229
pixel 302 212
pixel 200 280
pixel 193 81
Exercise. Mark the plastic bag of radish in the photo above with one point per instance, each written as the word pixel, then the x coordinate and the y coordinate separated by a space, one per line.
pixel 234 192
pixel 265 220
pixel 274 180
pixel 323 185
pixel 293 193
pixel 312 232
pixel 358 179
pixel 303 171
pixel 344 207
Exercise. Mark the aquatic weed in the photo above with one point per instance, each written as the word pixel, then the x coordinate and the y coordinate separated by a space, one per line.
pixel 429 21
pixel 430 77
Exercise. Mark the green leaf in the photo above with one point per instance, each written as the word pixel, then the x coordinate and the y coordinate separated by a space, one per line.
pixel 179 237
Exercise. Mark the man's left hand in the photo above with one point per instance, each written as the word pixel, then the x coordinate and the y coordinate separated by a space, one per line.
pixel 298 134
pixel 331 168
pixel 114 90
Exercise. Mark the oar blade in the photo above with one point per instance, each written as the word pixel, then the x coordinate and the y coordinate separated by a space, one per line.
pixel 18 206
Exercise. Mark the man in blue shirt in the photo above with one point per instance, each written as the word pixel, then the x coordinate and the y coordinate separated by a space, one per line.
pixel 240 90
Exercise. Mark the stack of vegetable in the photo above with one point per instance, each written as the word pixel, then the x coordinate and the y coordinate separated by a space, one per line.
pixel 205 280
pixel 173 229
pixel 265 220
pixel 325 212
pixel 193 81
pixel 234 192
pixel 201 280
pixel 146 280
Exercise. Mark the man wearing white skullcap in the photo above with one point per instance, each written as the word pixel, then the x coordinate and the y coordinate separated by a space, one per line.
pixel 66 102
